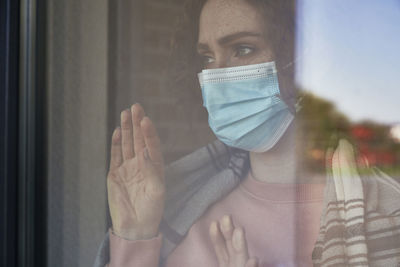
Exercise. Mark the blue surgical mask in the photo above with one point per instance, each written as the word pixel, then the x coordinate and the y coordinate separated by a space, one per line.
pixel 244 106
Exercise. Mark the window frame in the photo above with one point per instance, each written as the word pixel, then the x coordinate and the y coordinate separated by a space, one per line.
pixel 23 141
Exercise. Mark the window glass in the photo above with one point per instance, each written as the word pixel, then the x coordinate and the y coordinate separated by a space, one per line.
pixel 323 106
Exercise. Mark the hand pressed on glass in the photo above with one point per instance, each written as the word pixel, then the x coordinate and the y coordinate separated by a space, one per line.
pixel 135 180
pixel 230 244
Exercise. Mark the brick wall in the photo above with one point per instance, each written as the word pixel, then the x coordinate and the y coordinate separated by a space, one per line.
pixel 180 130
pixel 140 46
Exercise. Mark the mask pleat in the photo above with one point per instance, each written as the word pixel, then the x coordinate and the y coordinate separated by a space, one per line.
pixel 244 107
pixel 248 123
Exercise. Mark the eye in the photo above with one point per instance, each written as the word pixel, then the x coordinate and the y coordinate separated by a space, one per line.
pixel 207 60
pixel 243 50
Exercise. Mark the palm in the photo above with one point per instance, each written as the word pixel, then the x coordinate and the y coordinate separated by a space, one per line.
pixel 135 184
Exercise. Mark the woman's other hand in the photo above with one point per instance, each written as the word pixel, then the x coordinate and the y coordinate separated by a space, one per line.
pixel 230 244
pixel 135 180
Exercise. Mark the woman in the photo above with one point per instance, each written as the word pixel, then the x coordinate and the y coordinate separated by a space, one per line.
pixel 265 211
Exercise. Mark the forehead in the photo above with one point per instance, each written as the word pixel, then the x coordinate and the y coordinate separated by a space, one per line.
pixel 223 17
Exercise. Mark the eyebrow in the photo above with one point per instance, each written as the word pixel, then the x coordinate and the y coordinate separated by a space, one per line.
pixel 229 38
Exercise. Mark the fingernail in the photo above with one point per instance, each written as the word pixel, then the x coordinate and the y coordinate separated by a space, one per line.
pixel 213 229
pixel 238 239
pixel 117 132
pixel 134 105
pixel 124 115
pixel 226 223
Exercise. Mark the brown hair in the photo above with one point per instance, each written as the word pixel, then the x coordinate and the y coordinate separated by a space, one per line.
pixel 185 63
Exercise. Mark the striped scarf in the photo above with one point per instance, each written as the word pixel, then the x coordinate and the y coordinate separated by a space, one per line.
pixel 360 222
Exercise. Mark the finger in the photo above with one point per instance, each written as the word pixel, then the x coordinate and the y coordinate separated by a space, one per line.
pixel 152 141
pixel 219 244
pixel 227 227
pixel 138 139
pixel 127 137
pixel 253 262
pixel 116 153
pixel 240 246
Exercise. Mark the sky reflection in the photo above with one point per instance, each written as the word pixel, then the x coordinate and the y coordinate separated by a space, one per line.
pixel 348 52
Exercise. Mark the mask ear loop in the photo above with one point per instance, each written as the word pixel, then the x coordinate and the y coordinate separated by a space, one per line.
pixel 297 100
pixel 293 102
pixel 295 109
pixel 298 105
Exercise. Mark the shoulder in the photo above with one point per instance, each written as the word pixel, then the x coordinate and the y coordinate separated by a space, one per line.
pixel 382 192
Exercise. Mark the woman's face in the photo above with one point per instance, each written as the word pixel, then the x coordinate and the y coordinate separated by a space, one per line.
pixel 232 33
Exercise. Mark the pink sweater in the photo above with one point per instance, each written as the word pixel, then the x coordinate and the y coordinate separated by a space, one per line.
pixel 281 224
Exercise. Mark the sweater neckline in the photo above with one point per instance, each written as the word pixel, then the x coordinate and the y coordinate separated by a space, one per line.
pixel 280 192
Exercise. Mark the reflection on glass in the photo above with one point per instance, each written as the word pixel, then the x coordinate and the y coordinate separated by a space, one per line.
pixel 347 65
pixel 191 175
